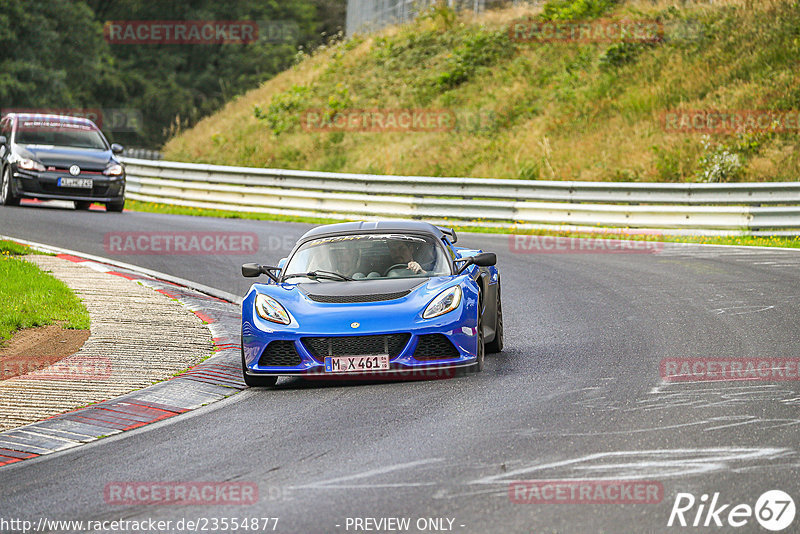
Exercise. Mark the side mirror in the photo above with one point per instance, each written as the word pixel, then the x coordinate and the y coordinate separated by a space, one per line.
pixel 117 148
pixel 3 140
pixel 254 270
pixel 484 259
pixel 251 270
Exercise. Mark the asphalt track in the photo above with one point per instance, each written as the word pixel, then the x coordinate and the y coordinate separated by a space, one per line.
pixel 576 394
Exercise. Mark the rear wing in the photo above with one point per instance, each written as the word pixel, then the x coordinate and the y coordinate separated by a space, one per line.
pixel 451 233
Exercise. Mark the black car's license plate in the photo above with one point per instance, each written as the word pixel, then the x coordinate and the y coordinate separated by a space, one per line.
pixel 83 183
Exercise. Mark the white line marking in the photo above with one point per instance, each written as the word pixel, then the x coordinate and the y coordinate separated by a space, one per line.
pixel 331 483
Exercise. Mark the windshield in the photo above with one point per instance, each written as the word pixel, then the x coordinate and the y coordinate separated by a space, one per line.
pixel 368 257
pixel 53 132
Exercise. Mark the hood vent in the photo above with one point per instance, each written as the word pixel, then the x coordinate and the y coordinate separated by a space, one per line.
pixel 348 299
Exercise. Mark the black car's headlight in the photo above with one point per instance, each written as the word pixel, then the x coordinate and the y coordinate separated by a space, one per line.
pixel 270 309
pixel 114 169
pixel 30 165
pixel 446 301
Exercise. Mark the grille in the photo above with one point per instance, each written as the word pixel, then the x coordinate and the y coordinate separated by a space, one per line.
pixel 281 354
pixel 434 347
pixel 346 299
pixel 66 170
pixel 391 344
pixel 96 191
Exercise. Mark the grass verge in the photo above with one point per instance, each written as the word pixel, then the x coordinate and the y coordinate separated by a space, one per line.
pixel 30 297
pixel 606 233
pixel 532 110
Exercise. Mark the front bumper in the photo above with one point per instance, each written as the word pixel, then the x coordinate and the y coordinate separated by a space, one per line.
pixel 306 362
pixel 44 185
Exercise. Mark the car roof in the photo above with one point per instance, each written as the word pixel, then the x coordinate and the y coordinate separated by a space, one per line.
pixel 375 226
pixel 62 118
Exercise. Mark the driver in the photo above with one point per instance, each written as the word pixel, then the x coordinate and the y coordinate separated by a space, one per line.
pixel 345 260
pixel 403 251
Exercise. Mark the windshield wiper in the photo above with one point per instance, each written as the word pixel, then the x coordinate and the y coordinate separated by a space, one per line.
pixel 327 275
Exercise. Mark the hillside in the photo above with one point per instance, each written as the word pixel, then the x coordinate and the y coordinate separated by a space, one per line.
pixel 538 110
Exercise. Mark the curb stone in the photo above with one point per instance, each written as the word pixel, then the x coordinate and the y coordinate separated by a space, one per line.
pixel 212 380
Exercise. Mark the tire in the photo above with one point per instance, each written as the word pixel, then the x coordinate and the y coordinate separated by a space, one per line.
pixel 478 366
pixel 82 205
pixel 257 381
pixel 496 345
pixel 7 197
pixel 116 207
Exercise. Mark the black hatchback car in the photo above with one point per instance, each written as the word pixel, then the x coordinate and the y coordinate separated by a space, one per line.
pixel 57 157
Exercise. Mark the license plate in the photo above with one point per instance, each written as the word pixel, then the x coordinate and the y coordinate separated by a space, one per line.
pixel 350 364
pixel 84 183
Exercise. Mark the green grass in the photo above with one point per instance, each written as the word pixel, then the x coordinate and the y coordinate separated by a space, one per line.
pixel 563 111
pixel 151 207
pixel 30 297
pixel 606 233
pixel 10 248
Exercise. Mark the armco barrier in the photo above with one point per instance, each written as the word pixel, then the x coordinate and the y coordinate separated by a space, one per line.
pixel 738 208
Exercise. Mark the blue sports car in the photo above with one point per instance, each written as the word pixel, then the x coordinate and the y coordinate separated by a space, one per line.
pixel 371 298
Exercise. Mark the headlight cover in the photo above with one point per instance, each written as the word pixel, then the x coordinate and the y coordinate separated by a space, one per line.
pixel 446 301
pixel 30 165
pixel 113 170
pixel 270 309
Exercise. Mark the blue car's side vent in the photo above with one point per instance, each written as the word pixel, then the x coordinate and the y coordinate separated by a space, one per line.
pixel 434 347
pixel 347 299
pixel 321 347
pixel 280 354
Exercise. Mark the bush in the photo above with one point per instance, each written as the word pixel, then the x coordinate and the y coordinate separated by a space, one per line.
pixel 619 54
pixel 720 164
pixel 478 50
pixel 576 9
pixel 282 112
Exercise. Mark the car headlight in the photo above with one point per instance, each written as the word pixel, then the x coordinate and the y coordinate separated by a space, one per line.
pixel 114 170
pixel 270 309
pixel 30 165
pixel 446 301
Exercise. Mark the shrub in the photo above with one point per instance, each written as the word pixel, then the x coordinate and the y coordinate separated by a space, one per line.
pixel 282 112
pixel 576 9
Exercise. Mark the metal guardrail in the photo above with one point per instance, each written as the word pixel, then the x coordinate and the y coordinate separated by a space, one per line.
pixel 734 208
pixel 141 153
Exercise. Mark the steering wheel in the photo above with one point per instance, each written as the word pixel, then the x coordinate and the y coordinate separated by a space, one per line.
pixel 395 266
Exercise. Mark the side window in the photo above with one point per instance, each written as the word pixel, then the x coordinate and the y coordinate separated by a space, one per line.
pixel 5 129
pixel 449 249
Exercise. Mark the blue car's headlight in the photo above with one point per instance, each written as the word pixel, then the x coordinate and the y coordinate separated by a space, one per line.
pixel 270 309
pixel 446 301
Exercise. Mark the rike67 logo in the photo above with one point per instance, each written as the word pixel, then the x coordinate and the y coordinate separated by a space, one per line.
pixel 774 510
